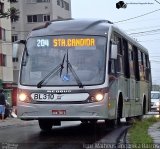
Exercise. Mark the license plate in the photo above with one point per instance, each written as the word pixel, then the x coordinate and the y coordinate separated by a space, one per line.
pixel 42 96
pixel 59 112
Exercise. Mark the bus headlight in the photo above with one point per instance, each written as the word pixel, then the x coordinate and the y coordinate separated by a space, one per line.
pixel 99 97
pixel 22 97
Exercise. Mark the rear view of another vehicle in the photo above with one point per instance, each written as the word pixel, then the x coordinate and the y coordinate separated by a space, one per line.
pixel 155 101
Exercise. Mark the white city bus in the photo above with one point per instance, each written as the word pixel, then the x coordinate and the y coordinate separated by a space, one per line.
pixel 85 70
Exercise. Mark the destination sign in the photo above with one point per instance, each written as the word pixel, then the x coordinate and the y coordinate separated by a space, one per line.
pixel 56 42
pixel 74 42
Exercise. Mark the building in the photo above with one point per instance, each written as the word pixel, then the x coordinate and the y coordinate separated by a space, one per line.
pixel 6 65
pixel 34 13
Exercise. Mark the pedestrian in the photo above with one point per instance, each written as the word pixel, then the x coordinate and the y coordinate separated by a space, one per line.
pixel 2 103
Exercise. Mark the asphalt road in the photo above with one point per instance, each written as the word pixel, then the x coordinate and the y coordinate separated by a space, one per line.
pixel 70 135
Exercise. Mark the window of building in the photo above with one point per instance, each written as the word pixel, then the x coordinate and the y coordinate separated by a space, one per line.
pixel 14 20
pixel 13 1
pixel 29 18
pixel 58 17
pixel 14 38
pixel 15 59
pixel 37 1
pixel 38 18
pixel 58 2
pixel 41 1
pixel 2 34
pixel 63 4
pixel 3 61
pixel 31 1
pixel 66 5
pixel 1 7
pixel 46 17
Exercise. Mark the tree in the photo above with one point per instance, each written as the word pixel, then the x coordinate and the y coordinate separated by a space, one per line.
pixel 12 12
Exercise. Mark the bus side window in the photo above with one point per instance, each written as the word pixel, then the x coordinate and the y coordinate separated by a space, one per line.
pixel 112 66
pixel 119 62
pixel 131 60
pixel 120 56
pixel 141 65
pixel 126 59
pixel 112 62
pixel 147 69
pixel 136 68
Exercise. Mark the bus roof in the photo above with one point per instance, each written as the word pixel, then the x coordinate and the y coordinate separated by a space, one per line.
pixel 81 27
pixel 73 26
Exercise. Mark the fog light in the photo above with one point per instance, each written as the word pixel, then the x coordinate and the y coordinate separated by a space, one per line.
pixel 22 97
pixel 99 97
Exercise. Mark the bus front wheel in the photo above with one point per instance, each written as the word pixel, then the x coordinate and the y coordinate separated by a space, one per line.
pixel 45 124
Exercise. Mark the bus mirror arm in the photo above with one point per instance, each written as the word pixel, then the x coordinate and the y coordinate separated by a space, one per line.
pixel 20 42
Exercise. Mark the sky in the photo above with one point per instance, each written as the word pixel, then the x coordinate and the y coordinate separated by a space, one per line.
pixel 148 22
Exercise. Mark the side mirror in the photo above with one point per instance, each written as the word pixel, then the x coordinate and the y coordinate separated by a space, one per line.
pixel 114 51
pixel 16 47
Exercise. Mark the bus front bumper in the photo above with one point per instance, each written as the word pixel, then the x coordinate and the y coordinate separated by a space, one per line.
pixel 63 111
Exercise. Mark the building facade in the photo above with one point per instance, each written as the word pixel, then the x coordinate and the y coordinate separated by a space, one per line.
pixel 34 13
pixel 6 65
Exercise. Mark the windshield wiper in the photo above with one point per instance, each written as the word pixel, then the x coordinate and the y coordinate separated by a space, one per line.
pixel 54 72
pixel 73 72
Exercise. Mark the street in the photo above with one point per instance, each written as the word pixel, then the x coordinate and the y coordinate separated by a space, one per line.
pixel 69 135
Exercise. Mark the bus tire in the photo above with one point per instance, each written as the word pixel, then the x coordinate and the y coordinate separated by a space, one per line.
pixel 144 106
pixel 119 110
pixel 140 117
pixel 110 123
pixel 45 124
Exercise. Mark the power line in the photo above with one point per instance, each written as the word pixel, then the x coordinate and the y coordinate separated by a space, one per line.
pixel 138 16
pixel 147 34
pixel 155 56
pixel 155 30
pixel 143 20
pixel 134 29
pixel 150 40
pixel 157 1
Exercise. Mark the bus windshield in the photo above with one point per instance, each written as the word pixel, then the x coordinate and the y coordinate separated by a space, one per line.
pixel 78 60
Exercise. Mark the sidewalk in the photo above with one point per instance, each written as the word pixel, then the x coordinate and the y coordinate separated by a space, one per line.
pixel 9 122
pixel 154 132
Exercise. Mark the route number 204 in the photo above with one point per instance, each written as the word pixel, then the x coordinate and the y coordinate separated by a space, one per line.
pixel 42 43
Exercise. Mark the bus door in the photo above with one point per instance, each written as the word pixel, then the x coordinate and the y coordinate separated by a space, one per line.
pixel 126 94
